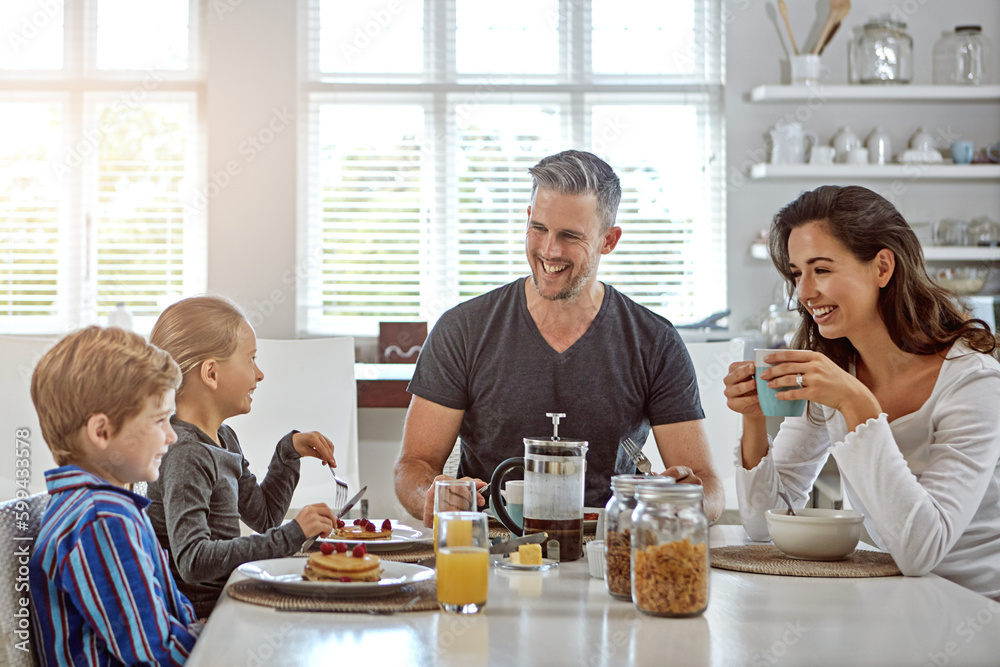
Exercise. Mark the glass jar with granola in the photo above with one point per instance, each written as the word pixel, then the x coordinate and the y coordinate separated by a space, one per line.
pixel 617 532
pixel 669 550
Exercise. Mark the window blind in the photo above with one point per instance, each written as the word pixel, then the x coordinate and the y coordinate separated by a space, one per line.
pixel 418 184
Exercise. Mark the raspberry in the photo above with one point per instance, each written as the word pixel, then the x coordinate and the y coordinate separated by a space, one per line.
pixel 359 551
pixel 387 525
pixel 369 527
pixel 340 547
pixel 326 548
pixel 358 522
pixel 345 580
pixel 340 523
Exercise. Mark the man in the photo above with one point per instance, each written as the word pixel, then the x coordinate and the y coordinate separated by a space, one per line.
pixel 560 342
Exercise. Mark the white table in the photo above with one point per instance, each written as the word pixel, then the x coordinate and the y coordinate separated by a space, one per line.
pixel 567 618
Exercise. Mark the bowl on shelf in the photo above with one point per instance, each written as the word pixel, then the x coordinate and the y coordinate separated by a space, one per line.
pixel 815 534
pixel 964 280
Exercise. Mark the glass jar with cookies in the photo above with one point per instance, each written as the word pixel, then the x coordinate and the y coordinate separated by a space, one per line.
pixel 669 550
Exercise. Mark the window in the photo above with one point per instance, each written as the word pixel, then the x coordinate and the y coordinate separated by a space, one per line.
pixel 423 120
pixel 99 103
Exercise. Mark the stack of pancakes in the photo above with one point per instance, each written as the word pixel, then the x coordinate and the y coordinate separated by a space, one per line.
pixel 359 533
pixel 339 566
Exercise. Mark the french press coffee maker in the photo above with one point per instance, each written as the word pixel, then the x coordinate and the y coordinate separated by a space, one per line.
pixel 554 473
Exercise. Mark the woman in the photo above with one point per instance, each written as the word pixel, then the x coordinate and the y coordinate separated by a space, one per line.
pixel 903 391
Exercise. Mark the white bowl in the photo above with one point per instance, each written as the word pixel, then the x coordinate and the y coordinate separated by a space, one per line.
pixel 595 558
pixel 815 534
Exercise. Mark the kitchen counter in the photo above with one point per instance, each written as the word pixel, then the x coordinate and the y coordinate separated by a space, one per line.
pixel 565 617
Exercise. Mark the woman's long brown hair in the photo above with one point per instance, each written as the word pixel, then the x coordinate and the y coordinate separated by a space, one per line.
pixel 921 316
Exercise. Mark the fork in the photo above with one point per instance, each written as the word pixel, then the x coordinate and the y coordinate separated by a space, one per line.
pixel 340 497
pixel 634 452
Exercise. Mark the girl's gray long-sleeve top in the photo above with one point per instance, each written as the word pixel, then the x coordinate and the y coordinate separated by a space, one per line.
pixel 203 492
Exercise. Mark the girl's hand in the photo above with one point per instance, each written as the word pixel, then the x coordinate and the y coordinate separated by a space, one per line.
pixel 315 520
pixel 316 445
pixel 741 390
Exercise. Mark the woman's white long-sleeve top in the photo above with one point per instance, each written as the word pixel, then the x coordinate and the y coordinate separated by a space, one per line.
pixel 928 483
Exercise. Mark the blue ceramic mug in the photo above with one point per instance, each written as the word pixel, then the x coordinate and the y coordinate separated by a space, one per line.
pixel 962 151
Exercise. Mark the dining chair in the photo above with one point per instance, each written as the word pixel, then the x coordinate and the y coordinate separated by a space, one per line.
pixel 20 521
pixel 308 385
pixel 18 419
pixel 711 364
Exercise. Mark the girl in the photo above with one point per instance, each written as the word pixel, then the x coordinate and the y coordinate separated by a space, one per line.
pixel 205 485
pixel 904 392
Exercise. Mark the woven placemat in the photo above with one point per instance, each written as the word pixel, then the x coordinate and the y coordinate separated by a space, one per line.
pixel 260 593
pixel 767 559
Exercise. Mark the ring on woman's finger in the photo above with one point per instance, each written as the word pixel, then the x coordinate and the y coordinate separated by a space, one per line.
pixel 798 380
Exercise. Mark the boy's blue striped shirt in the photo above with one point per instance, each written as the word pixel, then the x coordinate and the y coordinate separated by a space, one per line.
pixel 100 583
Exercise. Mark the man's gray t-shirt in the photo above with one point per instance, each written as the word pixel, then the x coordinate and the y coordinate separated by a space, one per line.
pixel 628 371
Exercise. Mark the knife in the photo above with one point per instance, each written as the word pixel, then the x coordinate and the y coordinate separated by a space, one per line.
pixel 343 510
pixel 350 503
pixel 510 546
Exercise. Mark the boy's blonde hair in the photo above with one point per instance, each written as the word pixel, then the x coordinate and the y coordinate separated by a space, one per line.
pixel 196 329
pixel 94 371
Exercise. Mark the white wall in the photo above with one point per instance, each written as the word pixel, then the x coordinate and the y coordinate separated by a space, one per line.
pixel 252 73
pixel 252 98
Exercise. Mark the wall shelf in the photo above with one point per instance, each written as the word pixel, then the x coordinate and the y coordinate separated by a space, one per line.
pixel 943 172
pixel 961 254
pixel 843 93
pixel 931 253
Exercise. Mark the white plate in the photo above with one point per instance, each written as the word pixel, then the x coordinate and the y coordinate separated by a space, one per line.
pixel 403 537
pixel 285 574
pixel 503 561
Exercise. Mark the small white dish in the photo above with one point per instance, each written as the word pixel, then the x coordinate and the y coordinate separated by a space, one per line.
pixel 815 534
pixel 503 561
pixel 595 559
pixel 285 575
pixel 913 156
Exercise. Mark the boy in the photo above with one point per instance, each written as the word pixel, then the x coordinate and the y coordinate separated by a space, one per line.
pixel 100 583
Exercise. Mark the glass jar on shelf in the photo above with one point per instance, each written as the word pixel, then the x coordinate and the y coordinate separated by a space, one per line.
pixel 882 53
pixel 669 550
pixel 780 325
pixel 962 57
pixel 982 232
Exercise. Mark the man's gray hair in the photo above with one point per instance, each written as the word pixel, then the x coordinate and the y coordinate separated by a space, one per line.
pixel 579 172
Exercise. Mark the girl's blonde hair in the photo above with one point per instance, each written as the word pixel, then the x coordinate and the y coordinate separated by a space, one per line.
pixel 196 329
pixel 96 371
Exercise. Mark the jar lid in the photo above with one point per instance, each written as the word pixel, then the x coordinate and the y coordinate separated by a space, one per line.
pixel 667 492
pixel 968 28
pixel 884 21
pixel 627 483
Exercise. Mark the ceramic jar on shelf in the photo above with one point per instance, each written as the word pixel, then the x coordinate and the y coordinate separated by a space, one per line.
pixel 879 146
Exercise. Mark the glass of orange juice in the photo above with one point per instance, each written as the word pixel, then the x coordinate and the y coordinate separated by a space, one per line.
pixel 463 562
pixel 453 495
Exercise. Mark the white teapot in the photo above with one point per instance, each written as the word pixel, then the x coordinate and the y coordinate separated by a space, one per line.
pixel 844 141
pixel 922 140
pixel 788 143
